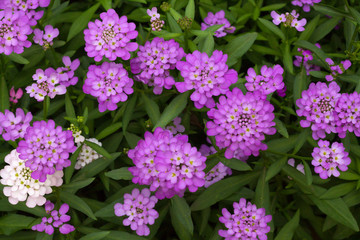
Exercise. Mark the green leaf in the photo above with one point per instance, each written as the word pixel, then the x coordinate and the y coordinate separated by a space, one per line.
pixel 355 14
pixel 288 230
pixel 207 44
pixel 70 170
pixel 74 186
pixel 309 29
pixel 338 190
pixel 272 27
pixel 14 222
pixel 132 139
pixel 324 29
pixel 238 46
pixel 312 47
pixel 337 210
pixel 181 218
pixel 155 227
pixel 272 7
pixel 275 168
pixel 300 84
pixel 4 95
pixel 262 194
pixel 288 62
pixel 151 108
pixel 235 164
pixel 329 10
pixel 281 127
pixel 109 130
pixel 43 236
pixel 349 175
pixel 120 174
pixel 190 9
pixel 308 173
pixel 95 236
pixel 69 108
pixel 175 107
pixel 77 203
pixel 175 14
pixel 221 190
pixel 301 139
pixel 107 4
pixel 174 27
pixel 318 74
pixel 82 21
pixel 129 111
pixel 100 150
pixel 18 58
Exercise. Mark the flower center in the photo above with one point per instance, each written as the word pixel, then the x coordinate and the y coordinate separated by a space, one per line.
pixel 107 35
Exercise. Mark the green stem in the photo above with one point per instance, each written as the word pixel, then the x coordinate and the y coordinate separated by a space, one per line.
pixel 290 155
pixel 46 106
pixel 147 36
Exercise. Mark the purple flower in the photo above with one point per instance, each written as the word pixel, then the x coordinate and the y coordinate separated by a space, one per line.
pixel 45 39
pixel 289 20
pixel 154 62
pixel 317 106
pixel 56 219
pixel 269 81
pixel 15 96
pixel 281 92
pixel 304 60
pixel 329 160
pixel 14 30
pixel 218 19
pixel 247 222
pixel 208 76
pixel 46 148
pixel 169 164
pixel 347 116
pixel 305 4
pixel 14 126
pixel 139 210
pixel 110 37
pixel 336 69
pixel 240 123
pixel 176 126
pixel 153 14
pixel 66 74
pixel 109 83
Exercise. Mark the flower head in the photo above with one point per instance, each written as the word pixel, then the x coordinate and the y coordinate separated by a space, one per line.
pixel 305 4
pixel 208 76
pixel 13 126
pixel 139 210
pixel 247 222
pixel 46 148
pixel 304 60
pixel 218 19
pixel 336 69
pixel 240 122
pixel 109 83
pixel 15 96
pixel 45 39
pixel 20 186
pixel 289 20
pixel 154 62
pixel 87 154
pixel 176 126
pixel 328 160
pixel 169 164
pixel 153 14
pixel 110 37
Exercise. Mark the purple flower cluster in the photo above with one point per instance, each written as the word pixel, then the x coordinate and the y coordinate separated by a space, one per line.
pixel 109 83
pixel 216 173
pixel 336 69
pixel 53 82
pixel 176 126
pixel 218 19
pixel 247 222
pixel 13 126
pixel 45 38
pixel 57 219
pixel 317 106
pixel 110 37
pixel 328 159
pixel 14 31
pixel 154 62
pixel 27 7
pixel 240 123
pixel 139 209
pixel 289 20
pixel 208 76
pixel 156 23
pixel 305 4
pixel 305 58
pixel 269 81
pixel 46 148
pixel 169 164
pixel 347 116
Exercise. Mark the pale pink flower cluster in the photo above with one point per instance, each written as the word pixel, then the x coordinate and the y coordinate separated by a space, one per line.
pixel 289 20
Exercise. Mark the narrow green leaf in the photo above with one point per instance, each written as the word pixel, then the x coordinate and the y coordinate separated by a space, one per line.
pixel 288 230
pixel 312 47
pixel 280 127
pixel 174 27
pixel 302 139
pixel 76 185
pixel 81 22
pixel 69 107
pixel 120 174
pixel 43 236
pixel 338 190
pixel 151 108
pixel 355 14
pixel 238 46
pixel 77 203
pixel 287 59
pixel 207 44
pixel 262 194
pixel 190 9
pixel 318 74
pixel 109 130
pixel 4 95
pixel 308 173
pixel 107 4
pixel 132 139
pixel 70 170
pixel 324 29
pixel 235 164
pixel 300 84
pixel 309 28
pixel 272 27
pixel 349 175
pixel 275 168
pixel 181 218
pixel 155 227
pixel 95 236
pixel 100 150
pixel 129 111
pixel 272 7
pixel 221 190
pixel 175 107
pixel 175 14
pixel 18 58
pixel 329 10
pixel 12 223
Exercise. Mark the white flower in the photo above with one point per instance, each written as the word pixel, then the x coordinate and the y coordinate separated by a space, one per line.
pixel 87 154
pixel 20 186
pixel 78 137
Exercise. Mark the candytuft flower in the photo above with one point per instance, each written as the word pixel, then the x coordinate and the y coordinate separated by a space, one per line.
pixel 110 37
pixel 109 83
pixel 154 62
pixel 304 60
pixel 218 19
pixel 45 38
pixel 305 4
pixel 87 154
pixel 139 210
pixel 176 126
pixel 13 126
pixel 289 20
pixel 208 76
pixel 336 69
pixel 247 222
pixel 240 122
pixel 15 96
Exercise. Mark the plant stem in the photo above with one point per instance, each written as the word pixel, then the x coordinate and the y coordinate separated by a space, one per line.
pixel 290 155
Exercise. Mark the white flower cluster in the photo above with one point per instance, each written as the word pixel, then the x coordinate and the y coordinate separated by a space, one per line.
pixel 87 154
pixel 20 186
